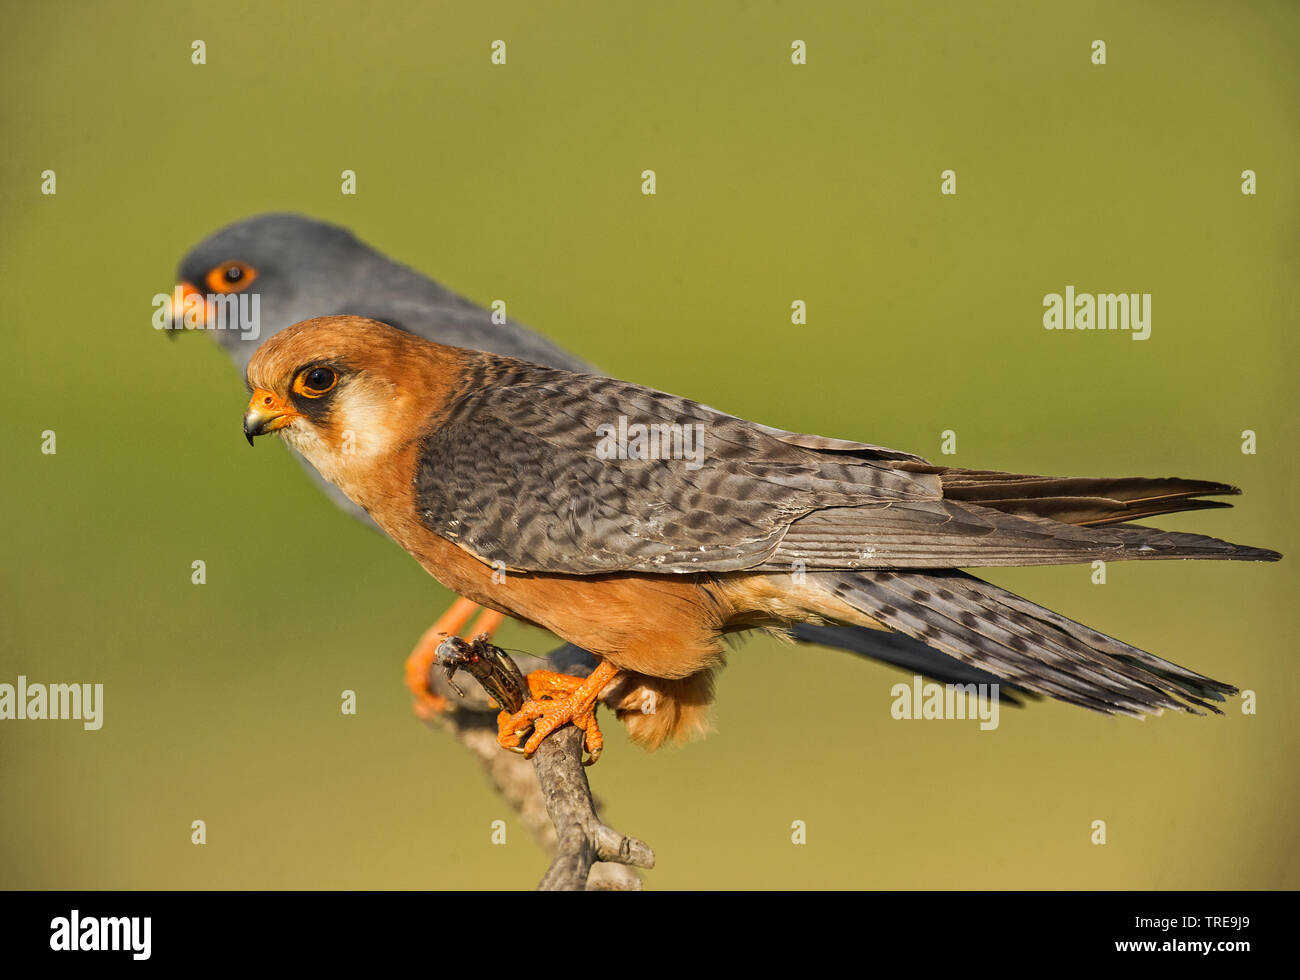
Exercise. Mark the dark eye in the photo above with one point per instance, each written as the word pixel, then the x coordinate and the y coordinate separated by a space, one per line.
pixel 319 380
pixel 231 277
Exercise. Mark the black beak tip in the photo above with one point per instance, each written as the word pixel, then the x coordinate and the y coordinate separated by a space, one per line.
pixel 249 436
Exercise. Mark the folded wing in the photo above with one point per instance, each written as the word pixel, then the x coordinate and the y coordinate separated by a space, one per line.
pixel 545 470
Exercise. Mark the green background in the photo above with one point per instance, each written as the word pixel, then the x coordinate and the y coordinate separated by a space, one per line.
pixel 775 183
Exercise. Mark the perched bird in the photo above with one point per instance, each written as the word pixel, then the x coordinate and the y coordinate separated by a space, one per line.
pixel 300 268
pixel 533 491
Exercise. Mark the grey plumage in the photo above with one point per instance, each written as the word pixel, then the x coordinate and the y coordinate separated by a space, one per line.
pixel 308 268
pixel 518 447
pixel 1024 643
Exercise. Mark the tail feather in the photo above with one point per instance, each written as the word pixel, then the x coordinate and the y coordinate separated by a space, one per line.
pixel 1033 647
pixel 942 534
pixel 901 651
pixel 1087 511
pixel 1076 500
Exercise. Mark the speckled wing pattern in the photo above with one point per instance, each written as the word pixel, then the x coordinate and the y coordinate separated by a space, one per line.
pixel 512 473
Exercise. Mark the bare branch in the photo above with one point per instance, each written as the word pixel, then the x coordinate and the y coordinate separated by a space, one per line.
pixel 551 794
pixel 583 839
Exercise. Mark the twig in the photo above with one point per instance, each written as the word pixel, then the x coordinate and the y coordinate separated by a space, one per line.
pixel 551 795
pixel 583 839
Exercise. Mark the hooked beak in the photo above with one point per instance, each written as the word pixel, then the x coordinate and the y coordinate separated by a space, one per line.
pixel 266 413
pixel 180 305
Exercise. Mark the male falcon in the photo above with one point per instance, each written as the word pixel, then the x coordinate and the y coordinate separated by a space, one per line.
pixel 476 463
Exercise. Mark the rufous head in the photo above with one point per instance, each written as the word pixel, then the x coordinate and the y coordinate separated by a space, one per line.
pixel 346 391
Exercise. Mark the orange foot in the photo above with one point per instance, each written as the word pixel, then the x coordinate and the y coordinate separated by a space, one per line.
pixel 557 700
pixel 427 704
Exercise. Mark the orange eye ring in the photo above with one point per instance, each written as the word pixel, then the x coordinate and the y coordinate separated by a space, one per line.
pixel 231 277
pixel 316 381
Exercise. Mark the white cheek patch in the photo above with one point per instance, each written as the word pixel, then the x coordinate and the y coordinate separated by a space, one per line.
pixel 363 421
pixel 302 436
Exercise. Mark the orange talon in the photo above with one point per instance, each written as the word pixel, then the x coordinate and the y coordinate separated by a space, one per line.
pixel 558 699
pixel 549 684
pixel 427 704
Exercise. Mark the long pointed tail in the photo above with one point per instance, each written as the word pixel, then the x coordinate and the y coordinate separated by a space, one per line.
pixel 1030 646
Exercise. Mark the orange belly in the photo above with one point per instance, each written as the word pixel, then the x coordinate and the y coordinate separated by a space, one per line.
pixel 664 626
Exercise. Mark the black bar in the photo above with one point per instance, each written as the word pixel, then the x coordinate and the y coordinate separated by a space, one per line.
pixel 490 931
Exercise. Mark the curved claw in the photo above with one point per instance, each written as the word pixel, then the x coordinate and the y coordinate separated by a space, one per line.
pixel 518 747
